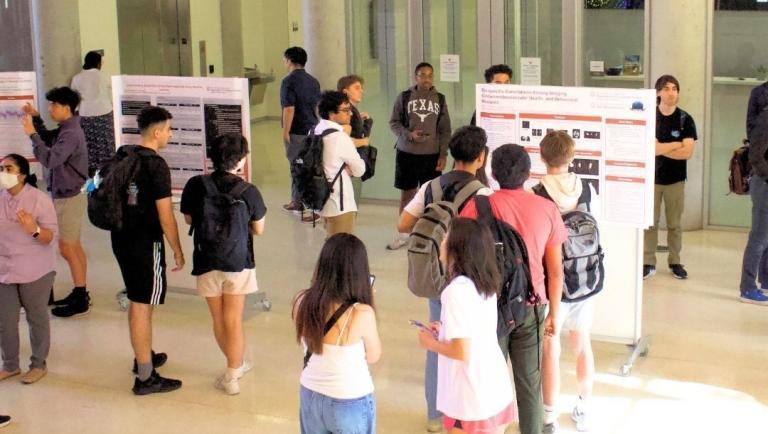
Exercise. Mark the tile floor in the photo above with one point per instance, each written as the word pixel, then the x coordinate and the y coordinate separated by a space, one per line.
pixel 705 373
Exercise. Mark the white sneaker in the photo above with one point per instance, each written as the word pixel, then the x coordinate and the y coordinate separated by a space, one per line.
pixel 244 368
pixel 398 242
pixel 229 386
pixel 582 421
pixel 435 425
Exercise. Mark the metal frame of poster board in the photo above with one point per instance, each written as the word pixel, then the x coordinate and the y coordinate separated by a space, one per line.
pixel 17 89
pixel 621 174
pixel 202 108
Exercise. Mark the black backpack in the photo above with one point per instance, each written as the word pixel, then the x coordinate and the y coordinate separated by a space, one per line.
pixel 108 206
pixel 583 269
pixel 512 257
pixel 222 231
pixel 307 170
pixel 740 170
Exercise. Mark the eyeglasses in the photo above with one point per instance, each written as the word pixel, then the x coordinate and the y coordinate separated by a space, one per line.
pixel 425 75
pixel 345 110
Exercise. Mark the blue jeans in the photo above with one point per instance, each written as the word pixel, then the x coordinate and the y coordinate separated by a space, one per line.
pixel 755 265
pixel 430 370
pixel 320 414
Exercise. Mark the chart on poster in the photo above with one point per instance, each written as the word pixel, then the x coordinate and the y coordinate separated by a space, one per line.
pixel 613 129
pixel 16 90
pixel 202 108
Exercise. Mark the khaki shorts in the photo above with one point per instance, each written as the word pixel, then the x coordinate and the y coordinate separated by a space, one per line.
pixel 342 223
pixel 69 212
pixel 217 283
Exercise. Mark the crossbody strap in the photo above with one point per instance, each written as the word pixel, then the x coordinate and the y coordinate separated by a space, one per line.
pixel 329 325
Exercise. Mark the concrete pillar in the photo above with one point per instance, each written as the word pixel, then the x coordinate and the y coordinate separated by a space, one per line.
pixel 678 41
pixel 325 30
pixel 58 38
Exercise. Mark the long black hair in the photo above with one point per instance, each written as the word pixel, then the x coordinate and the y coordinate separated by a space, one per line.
pixel 470 252
pixel 341 276
pixel 23 164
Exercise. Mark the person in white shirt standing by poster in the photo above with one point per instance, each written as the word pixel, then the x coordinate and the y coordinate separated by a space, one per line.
pixel 95 110
pixel 340 162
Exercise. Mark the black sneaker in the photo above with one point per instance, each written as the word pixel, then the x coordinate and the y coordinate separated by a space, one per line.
pixel 648 271
pixel 71 298
pixel 4 420
pixel 80 305
pixel 158 360
pixel 155 384
pixel 678 271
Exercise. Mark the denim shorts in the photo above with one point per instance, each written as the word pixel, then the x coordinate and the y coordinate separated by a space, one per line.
pixel 320 414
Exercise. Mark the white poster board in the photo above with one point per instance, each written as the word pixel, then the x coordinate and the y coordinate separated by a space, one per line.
pixel 202 108
pixel 614 132
pixel 16 90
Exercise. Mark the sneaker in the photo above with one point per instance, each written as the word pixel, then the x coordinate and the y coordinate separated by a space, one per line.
pixel 229 386
pixel 71 298
pixel 34 375
pixel 158 360
pixel 312 217
pixel 678 271
pixel 648 271
pixel 293 207
pixel 78 307
pixel 244 368
pixel 398 242
pixel 754 296
pixel 4 421
pixel 155 384
pixel 8 374
pixel 550 428
pixel 435 425
pixel 581 419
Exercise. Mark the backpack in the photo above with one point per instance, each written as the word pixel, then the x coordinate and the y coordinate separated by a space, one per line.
pixel 426 276
pixel 512 258
pixel 740 169
pixel 368 154
pixel 307 170
pixel 583 269
pixel 222 232
pixel 108 206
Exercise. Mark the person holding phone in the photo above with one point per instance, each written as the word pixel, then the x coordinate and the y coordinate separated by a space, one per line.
pixel 336 322
pixel 474 390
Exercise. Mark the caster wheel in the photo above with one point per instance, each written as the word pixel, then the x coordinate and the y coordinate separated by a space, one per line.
pixel 266 304
pixel 625 371
pixel 644 353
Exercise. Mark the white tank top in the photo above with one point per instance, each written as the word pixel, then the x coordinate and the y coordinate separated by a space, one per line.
pixel 341 372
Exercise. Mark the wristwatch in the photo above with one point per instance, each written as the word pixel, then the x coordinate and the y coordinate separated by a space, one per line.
pixel 36 234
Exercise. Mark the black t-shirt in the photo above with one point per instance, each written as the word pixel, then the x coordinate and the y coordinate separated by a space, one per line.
pixel 301 91
pixel 153 181
pixel 192 204
pixel 673 128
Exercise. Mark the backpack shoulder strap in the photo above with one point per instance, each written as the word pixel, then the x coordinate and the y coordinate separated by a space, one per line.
pixel 404 97
pixel 540 190
pixel 437 190
pixel 239 188
pixel 441 101
pixel 470 189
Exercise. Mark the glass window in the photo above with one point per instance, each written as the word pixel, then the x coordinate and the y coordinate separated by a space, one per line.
pixel 17 53
pixel 739 64
pixel 613 33
pixel 534 29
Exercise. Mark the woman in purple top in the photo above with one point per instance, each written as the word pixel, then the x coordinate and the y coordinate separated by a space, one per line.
pixel 27 263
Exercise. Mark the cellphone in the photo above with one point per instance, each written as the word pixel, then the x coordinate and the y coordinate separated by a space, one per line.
pixel 421 325
pixel 371 279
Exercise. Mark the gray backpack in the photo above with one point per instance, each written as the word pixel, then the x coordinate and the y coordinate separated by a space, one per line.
pixel 426 276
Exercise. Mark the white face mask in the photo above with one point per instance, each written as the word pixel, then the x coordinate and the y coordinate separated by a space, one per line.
pixel 8 180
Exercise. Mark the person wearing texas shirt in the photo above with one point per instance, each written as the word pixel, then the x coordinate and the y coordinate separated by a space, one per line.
pixel 421 123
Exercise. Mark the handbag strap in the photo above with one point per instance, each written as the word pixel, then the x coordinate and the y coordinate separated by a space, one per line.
pixel 329 325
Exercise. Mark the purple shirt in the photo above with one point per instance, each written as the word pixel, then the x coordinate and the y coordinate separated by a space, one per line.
pixel 24 259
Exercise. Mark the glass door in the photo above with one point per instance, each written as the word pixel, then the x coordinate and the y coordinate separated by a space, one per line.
pixel 534 28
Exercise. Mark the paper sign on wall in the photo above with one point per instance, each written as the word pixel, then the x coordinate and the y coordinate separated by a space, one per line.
pixel 530 71
pixel 16 90
pixel 450 68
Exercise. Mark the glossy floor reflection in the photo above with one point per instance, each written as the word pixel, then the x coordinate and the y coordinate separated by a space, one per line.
pixel 705 372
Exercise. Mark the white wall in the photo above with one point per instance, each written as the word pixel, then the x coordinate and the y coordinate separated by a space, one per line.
pixel 98 30
pixel 205 25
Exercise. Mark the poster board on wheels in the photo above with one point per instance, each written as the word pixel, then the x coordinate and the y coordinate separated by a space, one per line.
pixel 202 108
pixel 614 131
pixel 16 90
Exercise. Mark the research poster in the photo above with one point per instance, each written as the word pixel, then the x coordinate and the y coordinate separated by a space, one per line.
pixel 614 132
pixel 16 90
pixel 202 108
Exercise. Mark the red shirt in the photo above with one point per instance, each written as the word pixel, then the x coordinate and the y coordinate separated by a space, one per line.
pixel 536 219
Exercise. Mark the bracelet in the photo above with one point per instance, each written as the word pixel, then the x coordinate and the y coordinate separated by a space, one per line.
pixel 36 234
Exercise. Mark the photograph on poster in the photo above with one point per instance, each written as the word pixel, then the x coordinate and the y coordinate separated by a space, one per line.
pixel 583 166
